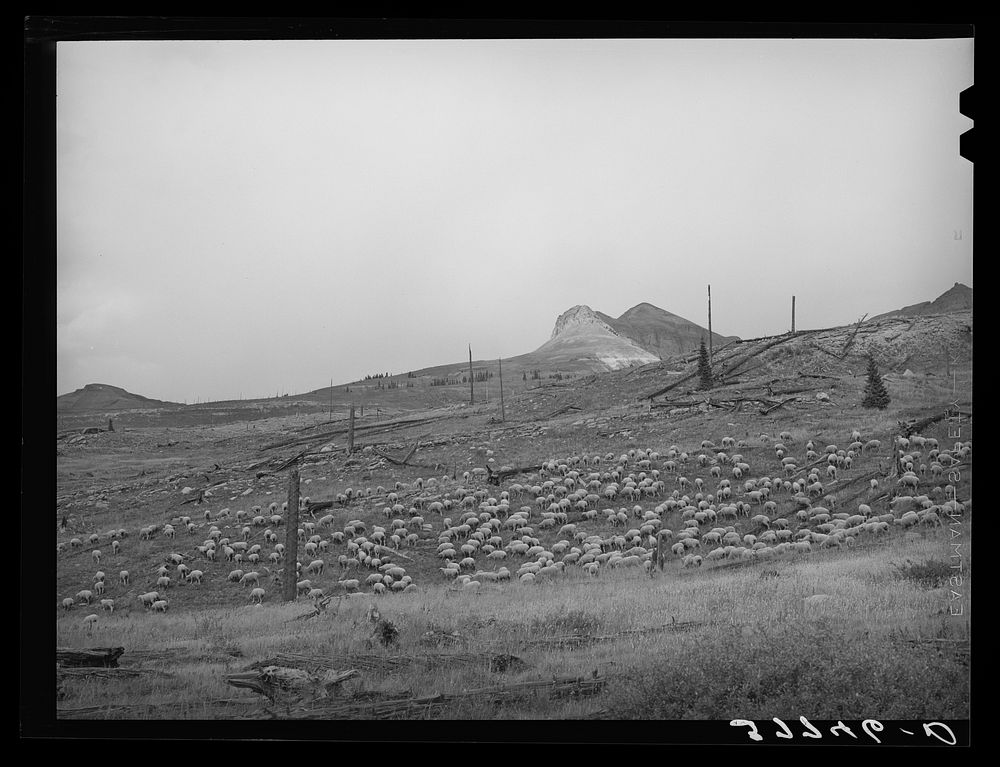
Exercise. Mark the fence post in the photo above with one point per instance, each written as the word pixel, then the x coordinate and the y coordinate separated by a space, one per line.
pixel 288 582
pixel 350 432
pixel 472 392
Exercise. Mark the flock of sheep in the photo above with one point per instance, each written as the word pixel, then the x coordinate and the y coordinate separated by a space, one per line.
pixel 720 507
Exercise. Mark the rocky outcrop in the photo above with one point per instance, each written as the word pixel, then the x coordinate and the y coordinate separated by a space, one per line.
pixel 580 334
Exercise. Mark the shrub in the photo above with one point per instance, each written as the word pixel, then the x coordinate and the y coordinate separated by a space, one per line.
pixel 931 573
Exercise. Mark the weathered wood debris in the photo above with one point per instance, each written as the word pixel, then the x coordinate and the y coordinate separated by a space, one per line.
pixel 100 657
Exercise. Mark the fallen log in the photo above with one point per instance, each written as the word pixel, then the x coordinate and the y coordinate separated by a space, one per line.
pixel 925 422
pixel 319 607
pixel 847 344
pixel 784 402
pixel 106 657
pixel 398 462
pixel 358 707
pixel 279 683
pixel 674 385
pixel 818 375
pixel 728 371
pixel 114 672
pixel 560 411
pixel 372 428
pixel 494 477
pixel 410 454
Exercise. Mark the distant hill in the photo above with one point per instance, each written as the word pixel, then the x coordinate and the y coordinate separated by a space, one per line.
pixel 580 333
pixel 662 333
pixel 957 298
pixel 582 342
pixel 643 334
pixel 105 397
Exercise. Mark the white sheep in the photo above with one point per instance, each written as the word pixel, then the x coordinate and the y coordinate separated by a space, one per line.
pixel 251 577
pixel 257 595
pixel 149 598
pixel 195 576
pixel 90 622
pixel 159 606
pixel 108 604
pixel 68 603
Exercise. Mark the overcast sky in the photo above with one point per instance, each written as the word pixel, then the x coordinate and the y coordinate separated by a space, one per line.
pixel 239 218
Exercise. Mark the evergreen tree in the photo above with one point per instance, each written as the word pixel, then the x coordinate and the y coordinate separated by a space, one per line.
pixel 876 394
pixel 704 367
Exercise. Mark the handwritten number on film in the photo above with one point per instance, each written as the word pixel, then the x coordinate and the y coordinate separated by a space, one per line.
pixel 938 730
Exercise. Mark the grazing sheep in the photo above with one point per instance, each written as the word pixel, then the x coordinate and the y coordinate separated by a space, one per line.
pixel 68 603
pixel 149 598
pixel 235 576
pixel 108 604
pixel 250 577
pixel 159 606
pixel 84 596
pixel 257 595
pixel 194 576
pixel 90 622
pixel 96 554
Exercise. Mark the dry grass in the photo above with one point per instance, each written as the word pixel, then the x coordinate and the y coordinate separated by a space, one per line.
pixel 725 641
pixel 756 647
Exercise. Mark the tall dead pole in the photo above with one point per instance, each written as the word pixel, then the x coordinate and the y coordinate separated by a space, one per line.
pixel 291 553
pixel 709 323
pixel 503 416
pixel 350 432
pixel 793 314
pixel 472 393
pixel 331 398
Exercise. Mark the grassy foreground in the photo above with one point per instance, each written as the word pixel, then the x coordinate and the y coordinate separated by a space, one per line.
pixel 747 641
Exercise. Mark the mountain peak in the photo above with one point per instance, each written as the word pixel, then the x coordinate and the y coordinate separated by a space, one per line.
pixel 578 319
pixel 645 309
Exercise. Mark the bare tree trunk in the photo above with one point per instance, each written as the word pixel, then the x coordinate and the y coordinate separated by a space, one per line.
pixel 503 415
pixel 710 324
pixel 291 538
pixel 350 432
